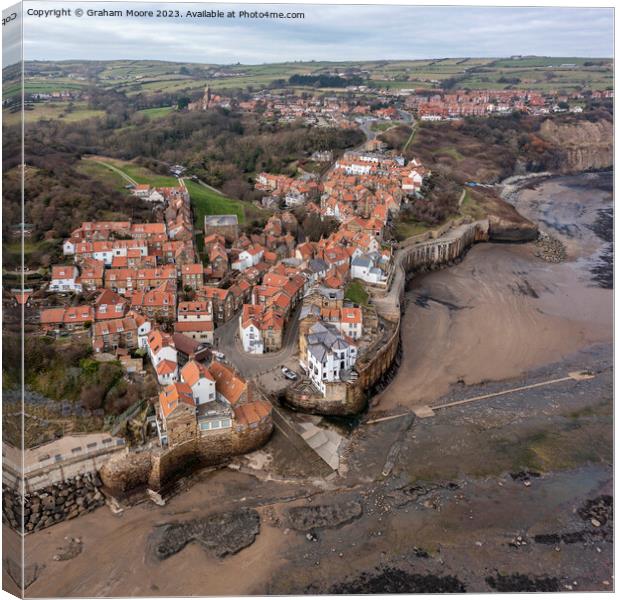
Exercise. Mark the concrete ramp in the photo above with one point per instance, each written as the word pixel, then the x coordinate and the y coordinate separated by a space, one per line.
pixel 323 441
pixel 316 446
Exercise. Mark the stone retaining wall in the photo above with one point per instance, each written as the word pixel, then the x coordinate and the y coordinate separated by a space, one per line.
pixel 155 469
pixel 57 502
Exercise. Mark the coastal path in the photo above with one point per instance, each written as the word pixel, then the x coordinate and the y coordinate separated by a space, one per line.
pixel 117 171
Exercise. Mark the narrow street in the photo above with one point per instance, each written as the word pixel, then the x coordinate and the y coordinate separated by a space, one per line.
pixel 227 341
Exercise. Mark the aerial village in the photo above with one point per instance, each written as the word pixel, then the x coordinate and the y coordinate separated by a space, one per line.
pixel 353 108
pixel 156 307
pixel 156 298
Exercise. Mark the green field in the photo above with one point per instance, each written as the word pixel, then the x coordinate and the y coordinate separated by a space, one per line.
pixel 151 77
pixel 405 229
pixel 36 85
pixel 52 111
pixel 136 172
pixel 102 173
pixel 143 175
pixel 207 202
pixel 544 61
pixel 385 125
pixel 471 207
pixel 156 113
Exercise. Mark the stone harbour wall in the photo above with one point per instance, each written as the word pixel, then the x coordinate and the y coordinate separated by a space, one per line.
pixel 156 469
pixel 57 502
pixel 442 251
pixel 347 399
pixel 372 372
pixel 334 403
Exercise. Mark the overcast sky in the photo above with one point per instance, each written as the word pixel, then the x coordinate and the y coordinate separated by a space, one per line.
pixel 327 33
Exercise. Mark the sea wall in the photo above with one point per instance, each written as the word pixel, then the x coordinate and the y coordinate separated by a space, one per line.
pixel 52 504
pixel 445 249
pixel 155 469
pixel 427 254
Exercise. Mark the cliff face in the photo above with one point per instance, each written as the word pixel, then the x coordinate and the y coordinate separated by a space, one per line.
pixel 505 222
pixel 587 145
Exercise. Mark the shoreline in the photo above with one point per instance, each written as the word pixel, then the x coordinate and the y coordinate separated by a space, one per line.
pixel 462 488
pixel 456 514
pixel 475 287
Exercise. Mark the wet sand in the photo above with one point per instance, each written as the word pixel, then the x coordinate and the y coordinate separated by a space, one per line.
pixel 502 310
pixel 458 529
pixel 497 314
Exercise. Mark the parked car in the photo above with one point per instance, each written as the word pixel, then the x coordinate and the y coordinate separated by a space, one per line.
pixel 289 374
pixel 218 355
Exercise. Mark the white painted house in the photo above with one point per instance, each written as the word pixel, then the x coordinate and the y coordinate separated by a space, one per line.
pixel 249 332
pixel 248 258
pixel 107 251
pixel 167 372
pixel 366 268
pixel 355 168
pixel 68 246
pixel 144 329
pixel 64 279
pixel 161 347
pixel 200 380
pixel 329 355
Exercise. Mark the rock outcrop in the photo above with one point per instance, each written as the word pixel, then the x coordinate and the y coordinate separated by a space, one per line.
pixel 587 145
pixel 223 533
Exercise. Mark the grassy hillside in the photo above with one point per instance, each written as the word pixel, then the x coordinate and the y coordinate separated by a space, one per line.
pixel 113 170
pixel 156 113
pixel 63 111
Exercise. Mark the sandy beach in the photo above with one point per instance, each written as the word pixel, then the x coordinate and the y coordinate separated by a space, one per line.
pixel 502 310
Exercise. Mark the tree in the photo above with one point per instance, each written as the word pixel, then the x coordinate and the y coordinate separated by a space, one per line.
pixel 315 228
